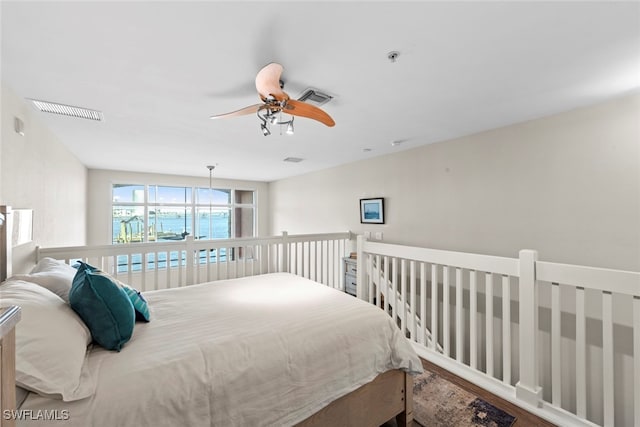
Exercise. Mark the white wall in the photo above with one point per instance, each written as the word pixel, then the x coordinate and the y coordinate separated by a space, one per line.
pixel 567 185
pixel 101 181
pixel 38 172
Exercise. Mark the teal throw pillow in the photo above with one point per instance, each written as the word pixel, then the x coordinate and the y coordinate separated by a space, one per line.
pixel 103 306
pixel 139 303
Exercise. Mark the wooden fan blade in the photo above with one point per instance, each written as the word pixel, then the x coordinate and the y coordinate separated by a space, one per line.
pixel 299 108
pixel 242 112
pixel 268 82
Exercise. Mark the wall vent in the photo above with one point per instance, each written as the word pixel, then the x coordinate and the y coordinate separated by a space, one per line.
pixel 67 110
pixel 293 159
pixel 313 96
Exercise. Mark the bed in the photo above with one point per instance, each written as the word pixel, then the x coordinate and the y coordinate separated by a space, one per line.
pixel 273 349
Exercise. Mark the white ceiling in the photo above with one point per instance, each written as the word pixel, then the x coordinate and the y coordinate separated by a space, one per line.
pixel 158 70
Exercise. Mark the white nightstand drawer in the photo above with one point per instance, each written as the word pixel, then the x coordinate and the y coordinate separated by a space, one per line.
pixel 350 274
pixel 350 288
pixel 350 284
pixel 351 267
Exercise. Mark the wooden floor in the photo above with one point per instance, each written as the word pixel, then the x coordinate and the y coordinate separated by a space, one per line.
pixel 523 418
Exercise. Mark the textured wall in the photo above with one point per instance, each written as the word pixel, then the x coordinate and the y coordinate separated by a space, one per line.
pixel 38 172
pixel 567 185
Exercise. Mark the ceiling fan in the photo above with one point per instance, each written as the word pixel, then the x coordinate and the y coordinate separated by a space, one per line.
pixel 275 100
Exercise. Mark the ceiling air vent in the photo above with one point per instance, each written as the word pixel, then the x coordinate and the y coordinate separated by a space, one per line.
pixel 293 159
pixel 313 96
pixel 68 110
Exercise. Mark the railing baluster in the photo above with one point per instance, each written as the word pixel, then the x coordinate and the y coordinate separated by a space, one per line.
pixel 322 261
pixel 423 304
pixel 394 270
pixel 235 261
pixel 412 301
pixel 370 293
pixel 339 256
pixel 315 260
pixel 473 317
pixel 168 267
pixel 143 270
pixel 446 333
pixel 129 268
pixel 218 263
pixel 377 270
pixel 556 346
pixel 434 306
pixel 156 280
pixel 385 273
pixel 506 330
pixel 116 273
pixel 308 275
pixel 254 257
pixel 459 318
pixel 636 360
pixel 331 263
pixel 581 355
pixel 489 322
pixel 403 296
pixel 197 266
pixel 607 357
pixel 300 258
pixel 245 251
pixel 273 260
pixel 334 264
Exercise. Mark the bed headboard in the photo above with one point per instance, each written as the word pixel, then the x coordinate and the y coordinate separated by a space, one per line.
pixel 17 250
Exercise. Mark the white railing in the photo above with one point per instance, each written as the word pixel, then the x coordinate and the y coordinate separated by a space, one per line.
pixel 151 266
pixel 518 326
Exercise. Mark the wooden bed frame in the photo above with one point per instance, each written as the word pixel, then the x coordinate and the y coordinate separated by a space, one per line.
pixel 9 317
pixel 388 396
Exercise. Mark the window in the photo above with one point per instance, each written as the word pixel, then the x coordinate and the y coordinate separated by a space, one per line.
pixel 149 213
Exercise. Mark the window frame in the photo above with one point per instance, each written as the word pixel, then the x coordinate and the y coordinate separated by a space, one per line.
pixel 191 207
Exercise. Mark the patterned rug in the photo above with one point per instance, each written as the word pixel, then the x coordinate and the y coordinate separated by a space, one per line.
pixel 440 403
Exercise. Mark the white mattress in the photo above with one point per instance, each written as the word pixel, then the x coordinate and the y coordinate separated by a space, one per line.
pixel 260 351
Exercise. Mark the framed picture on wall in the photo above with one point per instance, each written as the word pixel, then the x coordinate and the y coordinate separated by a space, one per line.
pixel 372 211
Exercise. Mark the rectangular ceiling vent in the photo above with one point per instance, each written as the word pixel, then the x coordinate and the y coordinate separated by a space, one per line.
pixel 293 159
pixel 68 110
pixel 313 96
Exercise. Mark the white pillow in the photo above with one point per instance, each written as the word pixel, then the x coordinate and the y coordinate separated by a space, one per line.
pixel 51 274
pixel 51 343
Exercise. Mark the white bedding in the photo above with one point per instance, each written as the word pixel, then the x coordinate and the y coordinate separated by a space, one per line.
pixel 266 350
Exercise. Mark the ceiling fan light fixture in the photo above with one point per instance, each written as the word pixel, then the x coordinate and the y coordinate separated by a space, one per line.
pixel 275 101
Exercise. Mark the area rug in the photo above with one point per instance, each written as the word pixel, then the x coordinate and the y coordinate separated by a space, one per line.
pixel 438 402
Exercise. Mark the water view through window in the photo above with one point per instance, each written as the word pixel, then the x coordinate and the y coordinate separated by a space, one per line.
pixel 153 213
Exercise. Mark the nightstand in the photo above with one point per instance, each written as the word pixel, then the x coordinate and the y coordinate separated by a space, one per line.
pixel 350 273
pixel 8 318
